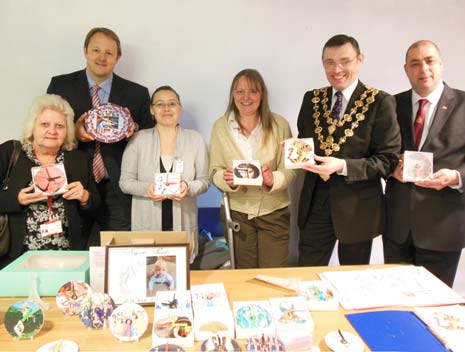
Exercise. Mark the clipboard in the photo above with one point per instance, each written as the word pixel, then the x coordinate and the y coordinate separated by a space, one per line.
pixel 395 330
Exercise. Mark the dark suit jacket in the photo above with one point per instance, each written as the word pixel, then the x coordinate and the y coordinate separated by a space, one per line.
pixel 78 168
pixel 436 218
pixel 74 87
pixel 357 201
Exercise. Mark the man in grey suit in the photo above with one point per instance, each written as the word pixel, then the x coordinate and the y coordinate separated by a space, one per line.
pixel 426 220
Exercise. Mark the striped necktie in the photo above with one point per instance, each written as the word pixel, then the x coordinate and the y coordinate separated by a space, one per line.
pixel 97 164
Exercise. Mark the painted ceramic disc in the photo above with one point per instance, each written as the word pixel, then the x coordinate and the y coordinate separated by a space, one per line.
pixel 24 319
pixel 220 344
pixel 96 309
pixel 169 347
pixel 129 322
pixel 49 179
pixel 71 295
pixel 264 343
pixel 60 346
pixel 108 123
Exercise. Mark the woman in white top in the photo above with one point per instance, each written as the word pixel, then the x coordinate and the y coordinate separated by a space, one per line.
pixel 165 148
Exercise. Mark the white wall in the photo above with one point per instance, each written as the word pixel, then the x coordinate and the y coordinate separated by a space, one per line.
pixel 198 46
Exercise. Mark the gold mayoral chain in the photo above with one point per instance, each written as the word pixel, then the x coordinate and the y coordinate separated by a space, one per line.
pixel 361 105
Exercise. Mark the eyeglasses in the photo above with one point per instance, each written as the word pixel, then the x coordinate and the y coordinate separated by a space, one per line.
pixel 331 64
pixel 162 105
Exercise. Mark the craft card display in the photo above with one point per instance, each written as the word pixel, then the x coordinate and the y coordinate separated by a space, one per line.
pixel 128 322
pixel 298 152
pixel 108 123
pixel 294 324
pixel 319 295
pixel 264 343
pixel 247 172
pixel 23 320
pixel 418 166
pixel 212 313
pixel 253 318
pixel 447 323
pixel 405 285
pixel 173 319
pixel 50 179
pixel 167 183
pixel 138 272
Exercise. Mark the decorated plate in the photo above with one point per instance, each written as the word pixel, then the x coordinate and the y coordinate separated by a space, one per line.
pixel 218 343
pixel 168 347
pixel 96 309
pixel 344 341
pixel 24 319
pixel 71 295
pixel 108 123
pixel 59 346
pixel 129 322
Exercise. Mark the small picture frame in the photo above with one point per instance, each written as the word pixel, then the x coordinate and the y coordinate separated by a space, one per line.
pixel 167 183
pixel 136 273
pixel 298 152
pixel 49 179
pixel 247 172
pixel 418 166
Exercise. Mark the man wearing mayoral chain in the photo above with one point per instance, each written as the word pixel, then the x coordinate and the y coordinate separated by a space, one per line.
pixel 357 142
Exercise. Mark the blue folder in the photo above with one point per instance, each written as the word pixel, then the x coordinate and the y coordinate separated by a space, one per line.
pixel 394 330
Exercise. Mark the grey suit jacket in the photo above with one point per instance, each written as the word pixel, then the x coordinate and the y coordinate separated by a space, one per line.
pixel 436 218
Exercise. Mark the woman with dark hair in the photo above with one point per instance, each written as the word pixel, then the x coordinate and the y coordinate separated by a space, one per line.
pixel 250 131
pixel 165 148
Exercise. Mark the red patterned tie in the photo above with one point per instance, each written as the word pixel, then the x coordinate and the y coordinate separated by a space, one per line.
pixel 97 164
pixel 419 122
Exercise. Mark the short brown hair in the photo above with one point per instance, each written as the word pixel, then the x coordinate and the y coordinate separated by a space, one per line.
pixel 105 31
pixel 340 40
pixel 420 43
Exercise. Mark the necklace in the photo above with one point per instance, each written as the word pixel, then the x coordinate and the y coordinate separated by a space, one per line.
pixel 361 105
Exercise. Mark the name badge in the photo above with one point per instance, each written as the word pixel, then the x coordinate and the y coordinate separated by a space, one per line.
pixel 50 228
pixel 178 166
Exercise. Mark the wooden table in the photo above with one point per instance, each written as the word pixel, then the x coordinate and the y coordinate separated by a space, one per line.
pixel 239 284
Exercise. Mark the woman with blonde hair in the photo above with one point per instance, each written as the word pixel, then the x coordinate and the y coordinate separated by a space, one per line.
pixel 250 131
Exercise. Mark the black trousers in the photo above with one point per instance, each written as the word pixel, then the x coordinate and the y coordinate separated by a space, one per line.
pixel 441 264
pixel 113 215
pixel 317 237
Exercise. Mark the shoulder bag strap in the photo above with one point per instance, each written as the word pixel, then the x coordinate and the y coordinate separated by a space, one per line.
pixel 13 159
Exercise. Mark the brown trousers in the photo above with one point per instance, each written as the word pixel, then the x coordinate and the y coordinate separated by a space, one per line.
pixel 261 242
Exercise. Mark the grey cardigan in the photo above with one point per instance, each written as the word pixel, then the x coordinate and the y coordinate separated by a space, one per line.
pixel 141 160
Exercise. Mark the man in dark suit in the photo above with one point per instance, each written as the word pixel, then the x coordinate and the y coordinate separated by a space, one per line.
pixel 357 142
pixel 426 220
pixel 102 50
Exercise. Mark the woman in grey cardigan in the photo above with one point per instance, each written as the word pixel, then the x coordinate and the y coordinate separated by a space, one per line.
pixel 165 148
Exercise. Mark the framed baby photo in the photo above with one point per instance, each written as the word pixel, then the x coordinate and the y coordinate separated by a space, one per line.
pixel 136 273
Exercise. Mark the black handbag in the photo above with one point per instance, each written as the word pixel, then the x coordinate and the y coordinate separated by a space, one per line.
pixel 4 228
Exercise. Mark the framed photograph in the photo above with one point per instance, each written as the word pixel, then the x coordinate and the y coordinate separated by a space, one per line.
pixel 136 273
pixel 247 172
pixel 418 166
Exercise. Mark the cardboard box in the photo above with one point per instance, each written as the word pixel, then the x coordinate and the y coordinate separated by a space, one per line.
pixel 53 269
pixel 122 238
